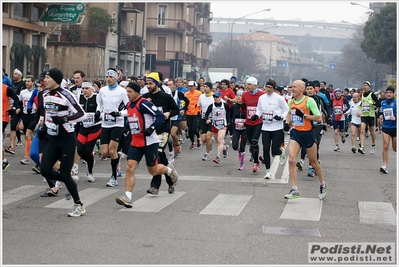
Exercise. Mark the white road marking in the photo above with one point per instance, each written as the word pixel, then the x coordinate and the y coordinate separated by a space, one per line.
pixel 88 197
pixel 154 203
pixel 20 193
pixel 376 213
pixel 307 209
pixel 227 204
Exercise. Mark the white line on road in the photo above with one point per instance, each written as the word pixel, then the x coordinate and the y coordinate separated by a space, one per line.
pixel 376 213
pixel 307 209
pixel 154 203
pixel 88 196
pixel 227 204
pixel 21 192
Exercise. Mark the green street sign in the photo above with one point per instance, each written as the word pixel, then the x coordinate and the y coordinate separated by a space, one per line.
pixel 247 76
pixel 64 13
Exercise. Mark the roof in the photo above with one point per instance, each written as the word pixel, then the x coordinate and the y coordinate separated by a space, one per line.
pixel 262 36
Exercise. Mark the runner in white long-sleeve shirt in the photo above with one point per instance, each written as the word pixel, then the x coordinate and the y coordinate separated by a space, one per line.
pixel 272 108
pixel 111 100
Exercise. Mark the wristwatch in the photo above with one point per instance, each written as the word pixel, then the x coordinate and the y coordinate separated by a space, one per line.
pixel 65 119
pixel 152 127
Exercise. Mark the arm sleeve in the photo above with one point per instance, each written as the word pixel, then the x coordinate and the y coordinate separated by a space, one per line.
pixel 174 109
pixel 99 102
pixel 146 108
pixel 312 106
pixel 208 112
pixel 13 95
pixel 34 94
pixel 78 114
pixel 185 99
pixel 284 107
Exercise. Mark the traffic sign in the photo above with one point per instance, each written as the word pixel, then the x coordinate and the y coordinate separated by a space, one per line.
pixel 332 66
pixel 283 64
pixel 64 13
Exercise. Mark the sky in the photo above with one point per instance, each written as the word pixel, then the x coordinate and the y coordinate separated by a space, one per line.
pixel 329 11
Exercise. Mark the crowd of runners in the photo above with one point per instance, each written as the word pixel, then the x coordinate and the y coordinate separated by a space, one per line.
pixel 68 120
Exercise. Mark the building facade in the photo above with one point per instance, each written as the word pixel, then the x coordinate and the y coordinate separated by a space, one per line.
pixel 136 38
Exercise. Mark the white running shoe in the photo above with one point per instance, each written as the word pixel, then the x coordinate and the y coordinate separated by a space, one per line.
pixel 268 176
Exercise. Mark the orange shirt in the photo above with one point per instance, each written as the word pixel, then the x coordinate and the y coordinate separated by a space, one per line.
pixel 5 102
pixel 298 123
pixel 193 96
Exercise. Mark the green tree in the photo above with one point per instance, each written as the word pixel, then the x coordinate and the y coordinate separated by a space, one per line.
pixel 380 35
pixel 99 19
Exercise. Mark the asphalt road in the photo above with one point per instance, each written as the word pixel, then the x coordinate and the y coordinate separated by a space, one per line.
pixel 218 215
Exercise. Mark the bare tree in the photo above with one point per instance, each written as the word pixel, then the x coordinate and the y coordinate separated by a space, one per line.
pixel 355 67
pixel 247 57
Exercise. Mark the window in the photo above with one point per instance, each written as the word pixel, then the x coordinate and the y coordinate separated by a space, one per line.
pixel 162 15
pixel 37 11
pixel 19 38
pixel 161 47
pixel 36 40
pixel 21 10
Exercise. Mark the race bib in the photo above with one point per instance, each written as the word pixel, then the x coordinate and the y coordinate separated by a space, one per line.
pixel 108 119
pixel 366 108
pixel 239 124
pixel 337 109
pixel 250 112
pixel 134 124
pixel 388 112
pixel 296 120
pixel 52 128
pixel 89 121
pixel 267 116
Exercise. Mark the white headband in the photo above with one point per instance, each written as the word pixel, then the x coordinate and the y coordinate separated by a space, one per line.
pixel 87 84
pixel 18 71
pixel 112 73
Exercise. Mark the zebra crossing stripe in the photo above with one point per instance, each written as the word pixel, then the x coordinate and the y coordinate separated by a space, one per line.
pixel 307 209
pixel 154 203
pixel 376 213
pixel 88 197
pixel 227 204
pixel 20 193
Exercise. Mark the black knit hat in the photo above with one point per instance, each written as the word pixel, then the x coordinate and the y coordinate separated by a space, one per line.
pixel 56 75
pixel 209 84
pixel 135 86
pixel 309 83
pixel 316 83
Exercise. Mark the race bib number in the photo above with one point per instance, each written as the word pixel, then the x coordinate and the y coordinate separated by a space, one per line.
pixel 219 122
pixel 134 124
pixel 52 128
pixel 388 112
pixel 108 119
pixel 267 116
pixel 240 124
pixel 337 109
pixel 250 112
pixel 296 120
pixel 89 121
pixel 366 108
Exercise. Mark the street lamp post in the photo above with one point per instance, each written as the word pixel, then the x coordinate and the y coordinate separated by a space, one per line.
pixel 231 30
pixel 247 40
pixel 347 22
pixel 357 4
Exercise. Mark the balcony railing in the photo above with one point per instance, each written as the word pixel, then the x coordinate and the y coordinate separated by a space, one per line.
pixel 169 24
pixel 168 55
pixel 131 43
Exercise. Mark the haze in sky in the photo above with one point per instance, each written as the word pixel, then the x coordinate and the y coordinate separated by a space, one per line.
pixel 329 11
